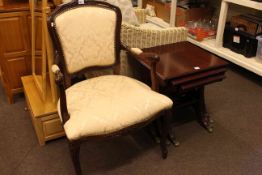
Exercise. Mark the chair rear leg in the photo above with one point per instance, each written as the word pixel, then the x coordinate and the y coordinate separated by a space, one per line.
pixel 171 135
pixel 74 151
pixel 163 129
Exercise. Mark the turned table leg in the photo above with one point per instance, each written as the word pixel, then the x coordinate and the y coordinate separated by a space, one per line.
pixel 171 135
pixel 200 107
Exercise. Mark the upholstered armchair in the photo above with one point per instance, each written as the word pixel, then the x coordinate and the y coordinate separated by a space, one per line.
pixel 86 36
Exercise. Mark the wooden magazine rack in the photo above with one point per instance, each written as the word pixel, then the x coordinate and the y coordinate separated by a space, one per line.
pixel 44 80
pixel 40 87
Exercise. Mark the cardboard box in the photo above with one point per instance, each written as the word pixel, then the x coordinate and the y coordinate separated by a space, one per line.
pixel 192 14
pixel 162 9
pixel 249 23
pixel 1 2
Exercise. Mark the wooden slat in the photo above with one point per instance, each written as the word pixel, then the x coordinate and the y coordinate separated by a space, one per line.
pixel 199 76
pixel 202 82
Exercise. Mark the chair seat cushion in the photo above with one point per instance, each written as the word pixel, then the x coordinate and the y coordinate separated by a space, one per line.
pixel 110 103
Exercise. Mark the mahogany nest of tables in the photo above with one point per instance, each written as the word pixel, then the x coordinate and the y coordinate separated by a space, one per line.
pixel 184 70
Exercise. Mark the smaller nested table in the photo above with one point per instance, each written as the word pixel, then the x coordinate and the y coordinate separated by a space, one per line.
pixel 183 71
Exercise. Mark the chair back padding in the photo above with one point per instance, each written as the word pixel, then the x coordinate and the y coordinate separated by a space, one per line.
pixel 87 34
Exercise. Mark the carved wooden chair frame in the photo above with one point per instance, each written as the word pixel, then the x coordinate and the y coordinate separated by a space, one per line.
pixel 63 79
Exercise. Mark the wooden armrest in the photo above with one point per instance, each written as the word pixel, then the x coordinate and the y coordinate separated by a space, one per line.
pixel 153 58
pixel 150 56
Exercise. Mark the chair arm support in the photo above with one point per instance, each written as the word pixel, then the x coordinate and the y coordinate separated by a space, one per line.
pixel 59 78
pixel 153 59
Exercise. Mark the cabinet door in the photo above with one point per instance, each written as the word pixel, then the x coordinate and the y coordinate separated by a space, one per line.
pixel 14 47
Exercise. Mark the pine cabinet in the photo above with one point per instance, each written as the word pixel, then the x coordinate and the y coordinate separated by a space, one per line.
pixel 15 59
pixel 15 46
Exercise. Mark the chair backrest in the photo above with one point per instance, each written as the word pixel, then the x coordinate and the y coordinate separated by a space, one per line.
pixel 86 35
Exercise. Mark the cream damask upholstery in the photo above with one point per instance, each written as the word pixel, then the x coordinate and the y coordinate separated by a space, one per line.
pixel 109 103
pixel 90 49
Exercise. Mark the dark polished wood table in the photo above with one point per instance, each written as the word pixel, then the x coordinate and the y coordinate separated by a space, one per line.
pixel 183 71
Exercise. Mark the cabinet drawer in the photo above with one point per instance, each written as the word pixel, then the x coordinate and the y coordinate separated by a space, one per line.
pixel 52 128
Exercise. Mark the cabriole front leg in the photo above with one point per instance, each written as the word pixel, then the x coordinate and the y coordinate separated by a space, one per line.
pixel 74 152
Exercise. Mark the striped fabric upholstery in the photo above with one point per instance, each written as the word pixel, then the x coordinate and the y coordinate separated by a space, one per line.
pixel 134 36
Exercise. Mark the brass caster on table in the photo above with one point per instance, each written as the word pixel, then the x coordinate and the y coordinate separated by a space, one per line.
pixel 207 126
pixel 210 129
pixel 177 143
pixel 173 140
pixel 157 139
pixel 211 120
pixel 164 154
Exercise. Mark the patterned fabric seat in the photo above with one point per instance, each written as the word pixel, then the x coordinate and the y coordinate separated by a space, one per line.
pixel 109 103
